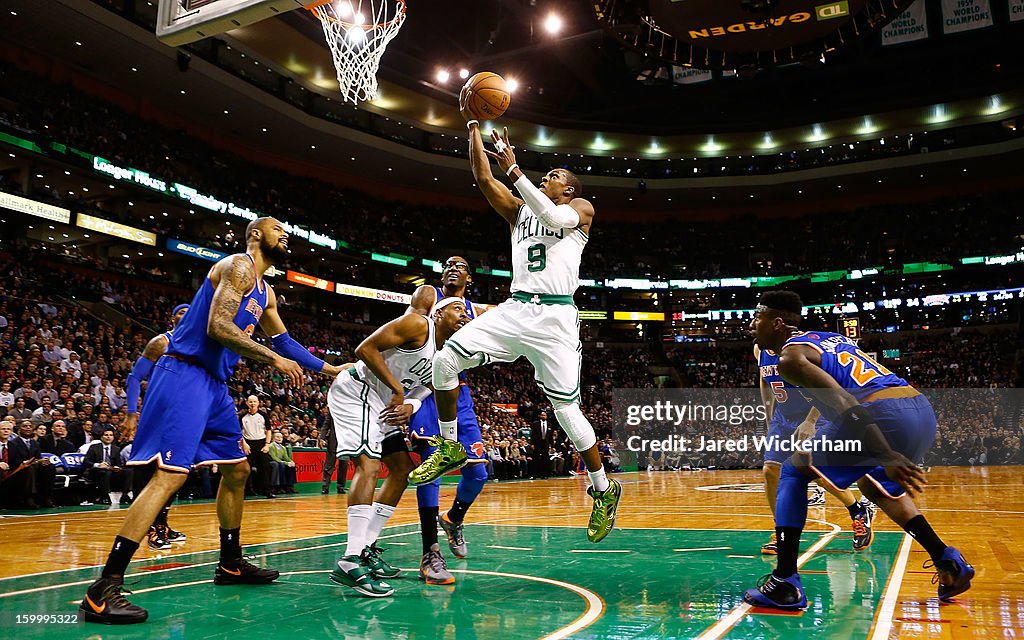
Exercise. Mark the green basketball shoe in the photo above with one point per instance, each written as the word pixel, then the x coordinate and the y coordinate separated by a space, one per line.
pixel 371 557
pixel 602 516
pixel 450 455
pixel 360 579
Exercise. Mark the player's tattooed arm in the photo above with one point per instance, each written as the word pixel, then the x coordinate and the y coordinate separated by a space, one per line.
pixel 234 277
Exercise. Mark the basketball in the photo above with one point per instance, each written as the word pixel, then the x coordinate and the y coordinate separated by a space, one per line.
pixel 486 96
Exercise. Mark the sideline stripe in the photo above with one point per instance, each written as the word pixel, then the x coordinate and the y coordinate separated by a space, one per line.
pixel 883 621
pixel 724 625
pixel 600 551
pixel 498 546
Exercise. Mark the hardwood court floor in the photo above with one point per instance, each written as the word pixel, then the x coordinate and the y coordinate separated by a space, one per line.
pixel 687 548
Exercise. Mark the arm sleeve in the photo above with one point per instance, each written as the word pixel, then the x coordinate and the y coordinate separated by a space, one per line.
pixel 289 348
pixel 133 385
pixel 553 217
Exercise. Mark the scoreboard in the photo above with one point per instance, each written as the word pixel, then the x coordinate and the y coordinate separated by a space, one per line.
pixel 849 327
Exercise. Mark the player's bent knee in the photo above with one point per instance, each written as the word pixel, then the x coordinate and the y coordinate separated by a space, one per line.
pixel 446 368
pixel 575 424
pixel 235 474
pixel 870 491
pixel 476 472
pixel 771 471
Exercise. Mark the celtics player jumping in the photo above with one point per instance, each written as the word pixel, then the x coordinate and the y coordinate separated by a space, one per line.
pixel 549 231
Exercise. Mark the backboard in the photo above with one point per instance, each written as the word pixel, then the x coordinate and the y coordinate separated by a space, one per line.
pixel 183 21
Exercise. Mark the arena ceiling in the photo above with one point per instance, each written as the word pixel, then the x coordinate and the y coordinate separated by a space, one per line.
pixel 589 81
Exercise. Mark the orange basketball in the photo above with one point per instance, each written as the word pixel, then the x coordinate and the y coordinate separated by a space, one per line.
pixel 486 96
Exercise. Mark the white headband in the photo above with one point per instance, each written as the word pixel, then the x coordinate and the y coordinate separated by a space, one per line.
pixel 444 302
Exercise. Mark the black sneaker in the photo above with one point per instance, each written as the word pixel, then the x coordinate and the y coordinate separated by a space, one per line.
pixel 173 536
pixel 243 572
pixel 325 490
pixel 105 604
pixel 158 539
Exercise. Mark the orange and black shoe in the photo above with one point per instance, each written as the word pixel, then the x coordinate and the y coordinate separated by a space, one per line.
pixel 770 548
pixel 863 534
pixel 242 571
pixel 104 603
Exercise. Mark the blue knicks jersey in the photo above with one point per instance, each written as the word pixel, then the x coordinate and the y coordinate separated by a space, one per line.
pixel 791 407
pixel 440 296
pixel 853 369
pixel 191 341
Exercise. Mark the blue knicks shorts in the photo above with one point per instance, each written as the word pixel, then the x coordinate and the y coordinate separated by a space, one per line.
pixel 188 418
pixel 908 424
pixel 424 425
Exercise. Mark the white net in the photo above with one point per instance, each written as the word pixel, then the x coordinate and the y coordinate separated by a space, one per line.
pixel 358 32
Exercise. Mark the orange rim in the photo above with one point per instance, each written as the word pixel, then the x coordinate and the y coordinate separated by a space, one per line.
pixel 314 8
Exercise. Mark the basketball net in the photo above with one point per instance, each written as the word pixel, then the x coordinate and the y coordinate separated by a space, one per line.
pixel 358 32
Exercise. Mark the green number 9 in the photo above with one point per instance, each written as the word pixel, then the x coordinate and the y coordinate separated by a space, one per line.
pixel 537 255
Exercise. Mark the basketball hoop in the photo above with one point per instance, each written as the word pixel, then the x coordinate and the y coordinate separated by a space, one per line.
pixel 358 32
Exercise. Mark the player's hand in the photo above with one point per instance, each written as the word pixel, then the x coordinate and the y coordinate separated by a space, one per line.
pixel 805 431
pixel 131 423
pixel 397 416
pixel 290 368
pixel 504 153
pixel 334 369
pixel 462 105
pixel 902 471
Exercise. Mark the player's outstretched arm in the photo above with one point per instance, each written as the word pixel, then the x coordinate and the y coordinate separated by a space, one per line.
pixel 234 277
pixel 155 348
pixel 283 344
pixel 498 195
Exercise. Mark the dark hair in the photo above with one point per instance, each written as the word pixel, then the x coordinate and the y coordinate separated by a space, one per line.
pixel 572 181
pixel 785 301
pixel 109 430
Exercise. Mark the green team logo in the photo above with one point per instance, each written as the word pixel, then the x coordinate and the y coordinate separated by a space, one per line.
pixel 832 10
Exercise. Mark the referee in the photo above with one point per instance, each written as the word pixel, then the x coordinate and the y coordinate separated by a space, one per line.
pixel 329 441
pixel 257 437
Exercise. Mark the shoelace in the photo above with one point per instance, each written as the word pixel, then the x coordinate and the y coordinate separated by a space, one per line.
pixel 930 564
pixel 115 594
pixel 457 534
pixel 437 562
pixel 763 580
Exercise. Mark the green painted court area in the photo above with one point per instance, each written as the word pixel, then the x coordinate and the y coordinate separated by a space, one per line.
pixel 519 582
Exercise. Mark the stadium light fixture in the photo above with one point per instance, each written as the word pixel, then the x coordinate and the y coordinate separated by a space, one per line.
pixel 553 23
pixel 463 73
pixel 511 84
pixel 442 76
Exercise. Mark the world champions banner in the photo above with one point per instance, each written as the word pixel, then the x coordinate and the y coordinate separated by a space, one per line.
pixel 909 26
pixel 965 15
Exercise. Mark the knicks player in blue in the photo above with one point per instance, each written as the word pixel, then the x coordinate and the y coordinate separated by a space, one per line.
pixel 864 403
pixel 161 535
pixel 424 427
pixel 190 418
pixel 792 416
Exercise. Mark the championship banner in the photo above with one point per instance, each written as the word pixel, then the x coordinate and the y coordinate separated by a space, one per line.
pixel 683 75
pixel 1016 8
pixel 909 26
pixel 965 15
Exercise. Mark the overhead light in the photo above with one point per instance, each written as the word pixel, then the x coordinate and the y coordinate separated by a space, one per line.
pixel 511 84
pixel 463 73
pixel 553 23
pixel 442 75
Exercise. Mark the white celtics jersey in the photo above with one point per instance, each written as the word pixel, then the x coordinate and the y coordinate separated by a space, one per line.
pixel 545 261
pixel 411 368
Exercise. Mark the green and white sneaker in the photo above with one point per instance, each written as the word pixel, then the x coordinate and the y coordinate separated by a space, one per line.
pixel 602 516
pixel 450 455
pixel 372 558
pixel 360 579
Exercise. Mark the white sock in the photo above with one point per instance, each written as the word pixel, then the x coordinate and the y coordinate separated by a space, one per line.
pixel 359 516
pixel 378 518
pixel 449 429
pixel 599 479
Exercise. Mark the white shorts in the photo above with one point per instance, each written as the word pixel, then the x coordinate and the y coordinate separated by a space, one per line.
pixel 356 409
pixel 547 334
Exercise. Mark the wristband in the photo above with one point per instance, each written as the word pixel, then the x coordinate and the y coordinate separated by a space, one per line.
pixel 470 123
pixel 856 417
pixel 511 169
pixel 414 403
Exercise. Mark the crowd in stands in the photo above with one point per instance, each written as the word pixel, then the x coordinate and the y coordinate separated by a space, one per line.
pixel 941 230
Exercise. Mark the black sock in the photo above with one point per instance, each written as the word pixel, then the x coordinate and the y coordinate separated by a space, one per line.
pixel 428 527
pixel 120 555
pixel 787 541
pixel 230 547
pixel 856 509
pixel 921 531
pixel 161 518
pixel 458 511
